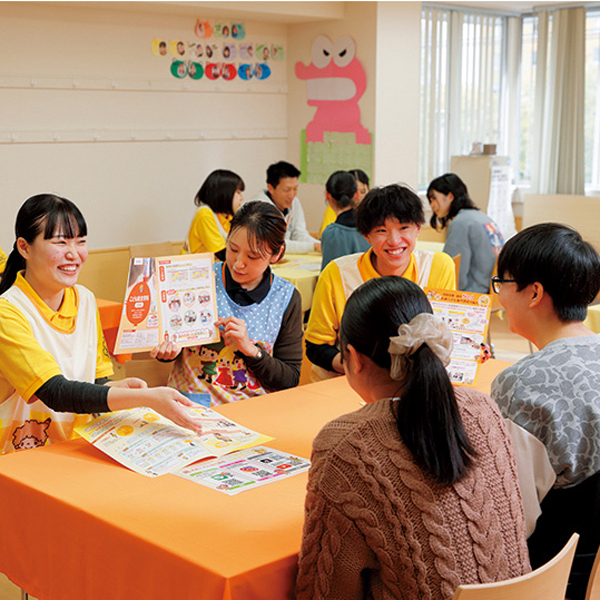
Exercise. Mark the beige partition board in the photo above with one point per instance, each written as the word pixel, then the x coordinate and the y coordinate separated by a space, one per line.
pixel 105 272
pixel 580 212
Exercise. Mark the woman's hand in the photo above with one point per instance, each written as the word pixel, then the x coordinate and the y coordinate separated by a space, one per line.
pixel 166 351
pixel 171 404
pixel 164 400
pixel 129 382
pixel 235 334
pixel 337 365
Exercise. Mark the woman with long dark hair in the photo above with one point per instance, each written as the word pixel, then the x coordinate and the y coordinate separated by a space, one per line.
pixel 416 492
pixel 54 366
pixel 471 233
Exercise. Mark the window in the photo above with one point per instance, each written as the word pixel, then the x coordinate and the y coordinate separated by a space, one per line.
pixel 592 100
pixel 462 69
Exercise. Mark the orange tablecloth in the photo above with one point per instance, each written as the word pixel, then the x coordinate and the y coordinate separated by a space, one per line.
pixel 110 316
pixel 75 524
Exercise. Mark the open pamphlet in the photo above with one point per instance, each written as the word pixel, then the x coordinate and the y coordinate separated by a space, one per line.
pixel 244 469
pixel 467 314
pixel 152 445
pixel 168 299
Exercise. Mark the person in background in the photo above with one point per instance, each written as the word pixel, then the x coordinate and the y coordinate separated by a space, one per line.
pixel 362 183
pixel 341 237
pixel 260 318
pixel 547 277
pixel 218 198
pixel 390 218
pixel 282 191
pixel 471 233
pixel 417 491
pixel 54 365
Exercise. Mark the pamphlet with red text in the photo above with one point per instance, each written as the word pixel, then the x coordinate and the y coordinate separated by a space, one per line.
pixel 467 314
pixel 168 299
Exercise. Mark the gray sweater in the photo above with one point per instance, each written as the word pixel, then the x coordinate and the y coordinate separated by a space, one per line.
pixel 473 235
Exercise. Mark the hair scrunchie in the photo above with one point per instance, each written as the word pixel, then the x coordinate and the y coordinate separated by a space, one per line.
pixel 425 328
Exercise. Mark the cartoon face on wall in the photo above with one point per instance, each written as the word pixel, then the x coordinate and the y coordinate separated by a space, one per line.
pixel 335 82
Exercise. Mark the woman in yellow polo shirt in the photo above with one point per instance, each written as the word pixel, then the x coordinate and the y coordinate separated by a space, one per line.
pixel 390 218
pixel 54 365
pixel 217 200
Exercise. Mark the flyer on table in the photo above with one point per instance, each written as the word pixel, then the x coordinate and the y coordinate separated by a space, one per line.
pixel 467 314
pixel 152 445
pixel 170 298
pixel 244 469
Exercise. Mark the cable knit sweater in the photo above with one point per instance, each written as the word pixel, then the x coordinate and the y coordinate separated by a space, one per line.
pixel 378 527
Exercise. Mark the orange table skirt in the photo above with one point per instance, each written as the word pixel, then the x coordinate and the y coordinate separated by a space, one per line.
pixel 75 524
pixel 110 317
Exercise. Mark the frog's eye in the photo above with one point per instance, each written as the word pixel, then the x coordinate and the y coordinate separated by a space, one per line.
pixel 321 51
pixel 344 51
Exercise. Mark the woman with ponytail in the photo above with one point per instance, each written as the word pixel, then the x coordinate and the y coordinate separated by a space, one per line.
pixel 417 491
pixel 341 237
pixel 54 366
pixel 471 233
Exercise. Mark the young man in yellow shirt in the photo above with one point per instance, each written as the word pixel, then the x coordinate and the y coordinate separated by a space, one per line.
pixel 390 218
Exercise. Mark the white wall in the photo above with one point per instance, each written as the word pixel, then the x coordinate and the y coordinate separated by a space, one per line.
pixel 88 112
pixel 387 36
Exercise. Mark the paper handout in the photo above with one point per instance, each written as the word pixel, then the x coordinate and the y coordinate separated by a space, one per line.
pixel 244 469
pixel 168 299
pixel 467 314
pixel 152 445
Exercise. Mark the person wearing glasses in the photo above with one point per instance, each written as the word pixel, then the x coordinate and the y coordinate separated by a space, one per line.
pixel 547 277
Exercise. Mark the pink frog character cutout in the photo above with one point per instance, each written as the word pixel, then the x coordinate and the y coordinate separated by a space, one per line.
pixel 335 82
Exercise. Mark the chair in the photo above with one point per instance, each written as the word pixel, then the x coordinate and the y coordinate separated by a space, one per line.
pixel 456 260
pixel 593 588
pixel 549 582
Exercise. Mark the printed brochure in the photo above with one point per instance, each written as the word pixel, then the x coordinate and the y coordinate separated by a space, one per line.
pixel 467 314
pixel 168 299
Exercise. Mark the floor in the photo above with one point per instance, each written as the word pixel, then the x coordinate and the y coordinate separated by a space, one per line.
pixel 506 345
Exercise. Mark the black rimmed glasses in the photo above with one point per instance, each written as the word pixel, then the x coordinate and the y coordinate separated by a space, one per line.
pixel 498 281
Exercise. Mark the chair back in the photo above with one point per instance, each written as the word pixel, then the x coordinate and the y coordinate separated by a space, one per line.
pixel 456 260
pixel 593 588
pixel 549 582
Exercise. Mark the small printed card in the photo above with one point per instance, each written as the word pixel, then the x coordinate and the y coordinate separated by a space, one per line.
pixel 244 469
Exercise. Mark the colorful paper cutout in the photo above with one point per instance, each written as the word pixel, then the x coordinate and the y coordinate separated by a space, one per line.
pixel 222 30
pixel 195 70
pixel 229 51
pixel 245 71
pixel 228 71
pixel 238 31
pixel 203 29
pixel 263 52
pixel 262 71
pixel 335 82
pixel 177 48
pixel 246 52
pixel 159 48
pixel 179 69
pixel 213 70
pixel 277 53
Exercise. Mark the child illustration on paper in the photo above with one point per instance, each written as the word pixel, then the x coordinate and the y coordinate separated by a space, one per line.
pixel 208 363
pixel 240 376
pixel 224 367
pixel 32 434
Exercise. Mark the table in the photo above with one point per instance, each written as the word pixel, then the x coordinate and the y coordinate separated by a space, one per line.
pixel 103 531
pixel 303 271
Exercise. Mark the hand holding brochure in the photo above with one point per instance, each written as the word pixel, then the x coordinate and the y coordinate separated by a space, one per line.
pixel 151 445
pixel 168 299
